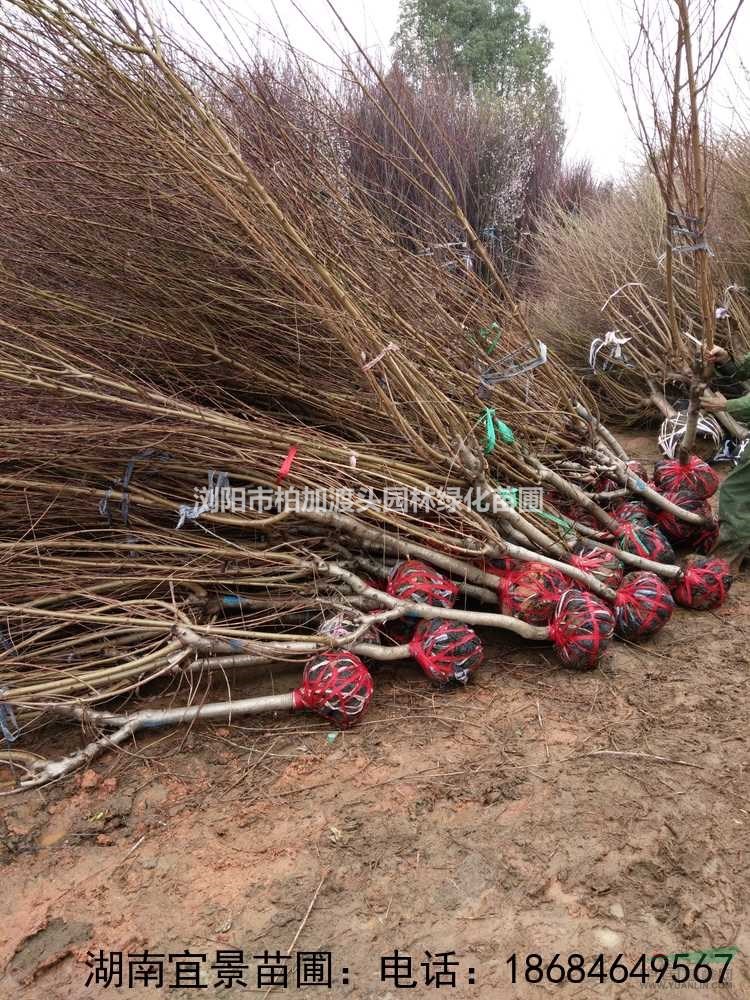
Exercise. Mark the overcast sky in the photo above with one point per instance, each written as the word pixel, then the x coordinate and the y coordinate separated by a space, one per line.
pixel 589 39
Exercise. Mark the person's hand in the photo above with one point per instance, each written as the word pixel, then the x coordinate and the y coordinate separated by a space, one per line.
pixel 713 402
pixel 716 356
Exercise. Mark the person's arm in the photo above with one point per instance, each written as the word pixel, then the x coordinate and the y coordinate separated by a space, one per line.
pixel 739 408
pixel 716 403
pixel 726 366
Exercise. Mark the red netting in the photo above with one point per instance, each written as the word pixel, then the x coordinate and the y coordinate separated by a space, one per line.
pixel 336 685
pixel 531 592
pixel 606 485
pixel 696 476
pixel 704 540
pixel 600 563
pixel 638 469
pixel 581 629
pixel 583 517
pixel 499 566
pixel 446 650
pixel 674 527
pixel 633 511
pixel 647 542
pixel 643 606
pixel 416 581
pixel 704 583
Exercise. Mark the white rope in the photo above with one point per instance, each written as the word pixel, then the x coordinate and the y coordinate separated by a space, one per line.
pixel 691 337
pixel 723 311
pixel 672 431
pixel 614 345
pixel 191 512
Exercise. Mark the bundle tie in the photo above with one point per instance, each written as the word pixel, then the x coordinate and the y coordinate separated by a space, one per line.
pixel 191 512
pixel 484 334
pixel 494 426
pixel 611 341
pixel 672 431
pixel 160 456
pixel 561 521
pixel 687 248
pixel 8 724
pixel 6 641
pixel 286 465
pixel 693 248
pixel 386 350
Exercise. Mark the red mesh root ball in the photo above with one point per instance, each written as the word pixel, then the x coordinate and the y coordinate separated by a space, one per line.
pixel 638 469
pixel 416 581
pixel 704 540
pixel 447 651
pixel 336 685
pixel 606 485
pixel 704 584
pixel 633 511
pixel 695 475
pixel 531 593
pixel 649 543
pixel 500 565
pixel 642 607
pixel 598 562
pixel 581 516
pixel 581 629
pixel 673 526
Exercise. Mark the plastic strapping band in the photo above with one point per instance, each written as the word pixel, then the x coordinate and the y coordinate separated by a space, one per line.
pixel 611 341
pixel 191 512
pixel 504 431
pixel 484 333
pixel 6 641
pixel 489 429
pixel 693 248
pixel 509 367
pixel 8 723
pixel 494 426
pixel 286 465
pixel 673 429
pixel 104 504
pixel 561 521
pixel 160 456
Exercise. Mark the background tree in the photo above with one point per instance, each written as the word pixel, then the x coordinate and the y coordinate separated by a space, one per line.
pixel 485 58
pixel 489 43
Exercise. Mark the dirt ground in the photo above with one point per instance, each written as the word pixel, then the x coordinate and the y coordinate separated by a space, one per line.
pixel 537 811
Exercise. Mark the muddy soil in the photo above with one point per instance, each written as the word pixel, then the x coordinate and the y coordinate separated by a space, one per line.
pixel 538 811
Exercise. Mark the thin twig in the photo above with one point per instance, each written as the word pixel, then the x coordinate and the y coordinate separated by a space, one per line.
pixel 301 926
